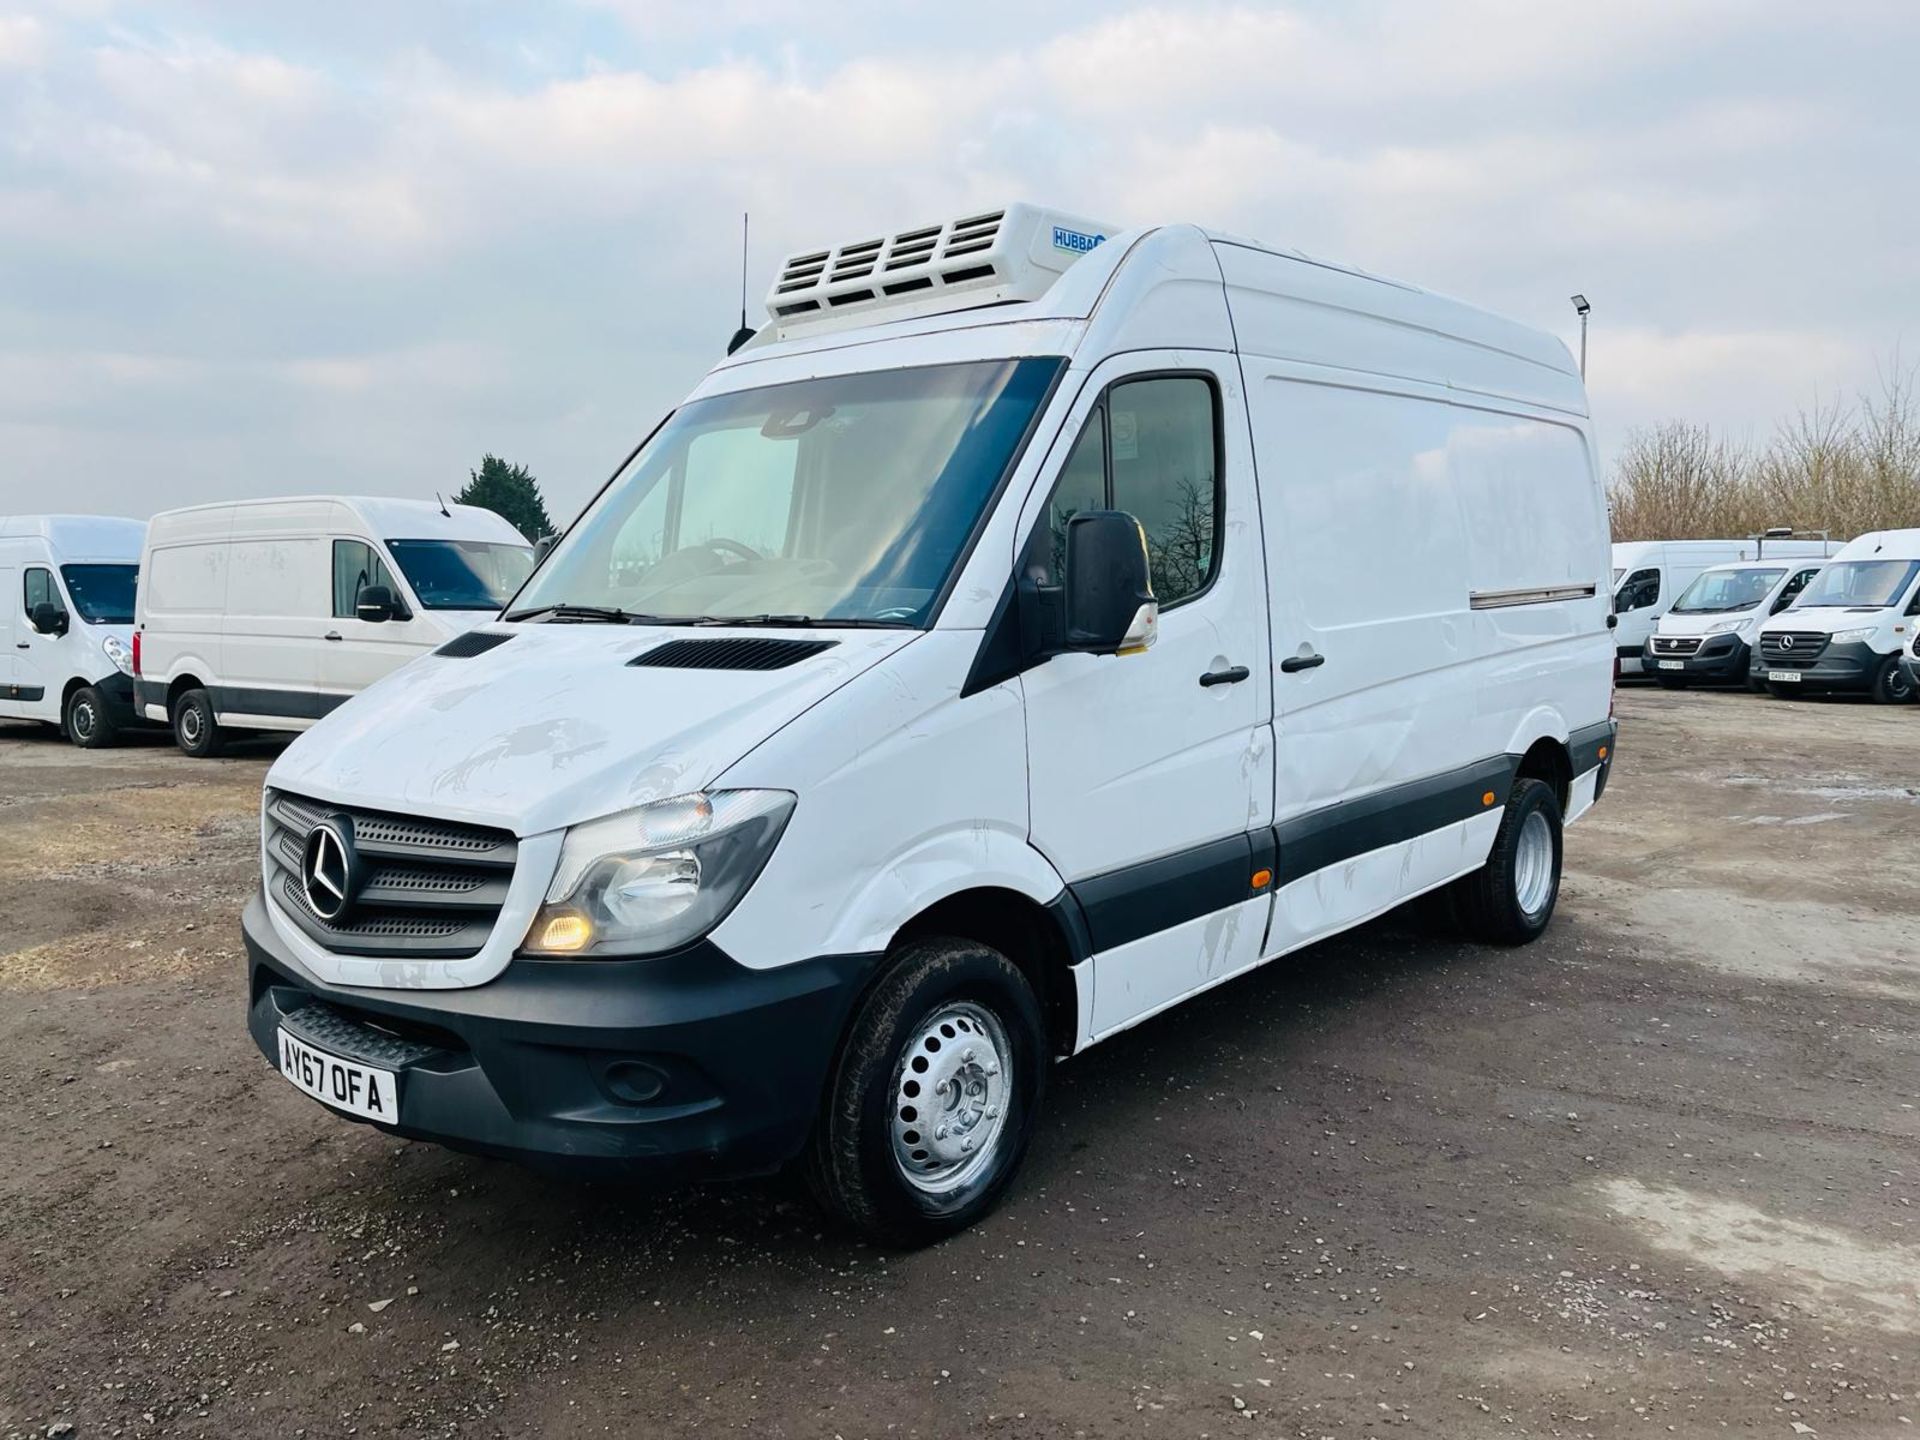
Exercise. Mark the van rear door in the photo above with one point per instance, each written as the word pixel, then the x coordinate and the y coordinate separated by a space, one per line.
pixel 1150 774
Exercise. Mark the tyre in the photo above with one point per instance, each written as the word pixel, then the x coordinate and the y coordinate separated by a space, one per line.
pixel 1783 692
pixel 1891 683
pixel 88 722
pixel 194 728
pixel 1510 899
pixel 933 1100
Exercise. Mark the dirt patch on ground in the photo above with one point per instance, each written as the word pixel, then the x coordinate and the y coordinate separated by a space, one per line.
pixel 1657 1174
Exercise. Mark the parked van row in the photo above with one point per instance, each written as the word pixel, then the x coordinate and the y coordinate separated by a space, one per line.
pixel 975 665
pixel 1650 577
pixel 1784 623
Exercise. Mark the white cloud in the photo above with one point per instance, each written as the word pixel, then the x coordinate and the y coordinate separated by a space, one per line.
pixel 372 258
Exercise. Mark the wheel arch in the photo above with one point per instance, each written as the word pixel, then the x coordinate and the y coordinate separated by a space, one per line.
pixel 1540 750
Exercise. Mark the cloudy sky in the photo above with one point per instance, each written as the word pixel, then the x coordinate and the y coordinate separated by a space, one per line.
pixel 269 247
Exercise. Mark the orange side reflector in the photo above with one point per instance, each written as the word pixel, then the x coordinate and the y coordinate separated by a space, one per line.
pixel 1603 752
pixel 1262 879
pixel 1487 799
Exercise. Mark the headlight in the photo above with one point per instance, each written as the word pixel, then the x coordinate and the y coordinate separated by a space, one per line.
pixel 659 877
pixel 1721 627
pixel 1849 637
pixel 117 651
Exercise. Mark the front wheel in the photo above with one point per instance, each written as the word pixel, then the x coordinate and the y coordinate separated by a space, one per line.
pixel 1892 685
pixel 1510 899
pixel 195 729
pixel 933 1101
pixel 89 724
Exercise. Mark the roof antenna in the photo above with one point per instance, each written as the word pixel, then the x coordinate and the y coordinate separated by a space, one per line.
pixel 443 505
pixel 745 332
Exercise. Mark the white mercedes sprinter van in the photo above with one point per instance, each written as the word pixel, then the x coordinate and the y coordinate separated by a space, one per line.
pixel 1649 575
pixel 266 614
pixel 1707 637
pixel 66 623
pixel 1033 627
pixel 1846 630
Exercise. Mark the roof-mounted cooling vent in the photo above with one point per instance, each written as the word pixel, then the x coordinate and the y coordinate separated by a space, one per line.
pixel 1011 254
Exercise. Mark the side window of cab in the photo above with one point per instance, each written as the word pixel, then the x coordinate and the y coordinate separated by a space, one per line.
pixel 357 566
pixel 1638 591
pixel 1151 447
pixel 1792 588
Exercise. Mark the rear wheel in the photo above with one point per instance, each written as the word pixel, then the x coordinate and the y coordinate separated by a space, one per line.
pixel 89 724
pixel 933 1100
pixel 195 729
pixel 1510 899
pixel 1892 685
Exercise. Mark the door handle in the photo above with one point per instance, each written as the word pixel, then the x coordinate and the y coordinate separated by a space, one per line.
pixel 1232 675
pixel 1295 663
pixel 332 635
pixel 21 645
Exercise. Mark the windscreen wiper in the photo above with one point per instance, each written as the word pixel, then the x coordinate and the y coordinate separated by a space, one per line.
pixel 799 622
pixel 581 614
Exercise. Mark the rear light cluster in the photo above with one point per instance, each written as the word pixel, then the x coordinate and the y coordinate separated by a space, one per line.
pixel 136 652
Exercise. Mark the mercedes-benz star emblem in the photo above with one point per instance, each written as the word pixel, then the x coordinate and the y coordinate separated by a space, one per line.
pixel 330 868
pixel 1786 642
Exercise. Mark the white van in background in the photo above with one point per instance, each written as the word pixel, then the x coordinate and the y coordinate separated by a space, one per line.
pixel 1649 575
pixel 66 623
pixel 975 665
pixel 1846 631
pixel 266 614
pixel 1707 638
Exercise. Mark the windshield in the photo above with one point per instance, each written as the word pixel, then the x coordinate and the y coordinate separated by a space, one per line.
pixel 462 574
pixel 1718 591
pixel 1859 584
pixel 846 499
pixel 103 594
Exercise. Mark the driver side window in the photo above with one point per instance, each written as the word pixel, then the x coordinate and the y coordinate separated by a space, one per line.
pixel 38 589
pixel 1641 589
pixel 1792 588
pixel 356 567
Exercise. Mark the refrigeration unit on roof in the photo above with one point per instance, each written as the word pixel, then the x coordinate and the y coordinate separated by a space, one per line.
pixel 1015 253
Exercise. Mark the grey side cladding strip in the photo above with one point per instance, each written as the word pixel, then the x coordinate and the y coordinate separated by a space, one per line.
pixel 24 692
pixel 1353 827
pixel 288 704
pixel 1586 743
pixel 1140 900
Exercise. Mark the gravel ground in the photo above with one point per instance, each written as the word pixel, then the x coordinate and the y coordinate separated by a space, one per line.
pixel 1656 1174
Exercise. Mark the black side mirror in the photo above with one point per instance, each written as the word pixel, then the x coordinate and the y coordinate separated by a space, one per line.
pixel 376 605
pixel 1109 603
pixel 49 618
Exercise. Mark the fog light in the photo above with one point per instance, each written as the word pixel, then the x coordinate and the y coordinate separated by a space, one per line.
pixel 566 932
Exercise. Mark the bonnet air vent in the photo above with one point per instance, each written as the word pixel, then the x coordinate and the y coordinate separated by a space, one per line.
pixel 745 653
pixel 474 642
pixel 1014 253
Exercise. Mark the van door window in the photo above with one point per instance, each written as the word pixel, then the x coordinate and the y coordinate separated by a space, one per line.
pixel 1151 448
pixel 38 589
pixel 1792 588
pixel 1642 588
pixel 357 566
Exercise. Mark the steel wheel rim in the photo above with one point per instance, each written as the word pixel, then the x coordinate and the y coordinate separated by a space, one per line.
pixel 190 725
pixel 1533 864
pixel 81 721
pixel 951 1093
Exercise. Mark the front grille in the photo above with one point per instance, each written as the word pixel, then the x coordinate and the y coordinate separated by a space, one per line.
pixel 429 889
pixel 1675 644
pixel 1792 647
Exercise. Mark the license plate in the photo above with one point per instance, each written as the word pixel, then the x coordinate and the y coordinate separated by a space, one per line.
pixel 1673 664
pixel 1784 677
pixel 357 1089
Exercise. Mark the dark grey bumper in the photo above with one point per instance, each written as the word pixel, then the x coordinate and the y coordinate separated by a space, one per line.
pixel 1851 666
pixel 684 1066
pixel 1722 658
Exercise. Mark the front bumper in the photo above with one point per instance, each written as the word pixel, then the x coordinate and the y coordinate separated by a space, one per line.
pixel 1723 658
pixel 685 1066
pixel 1851 666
